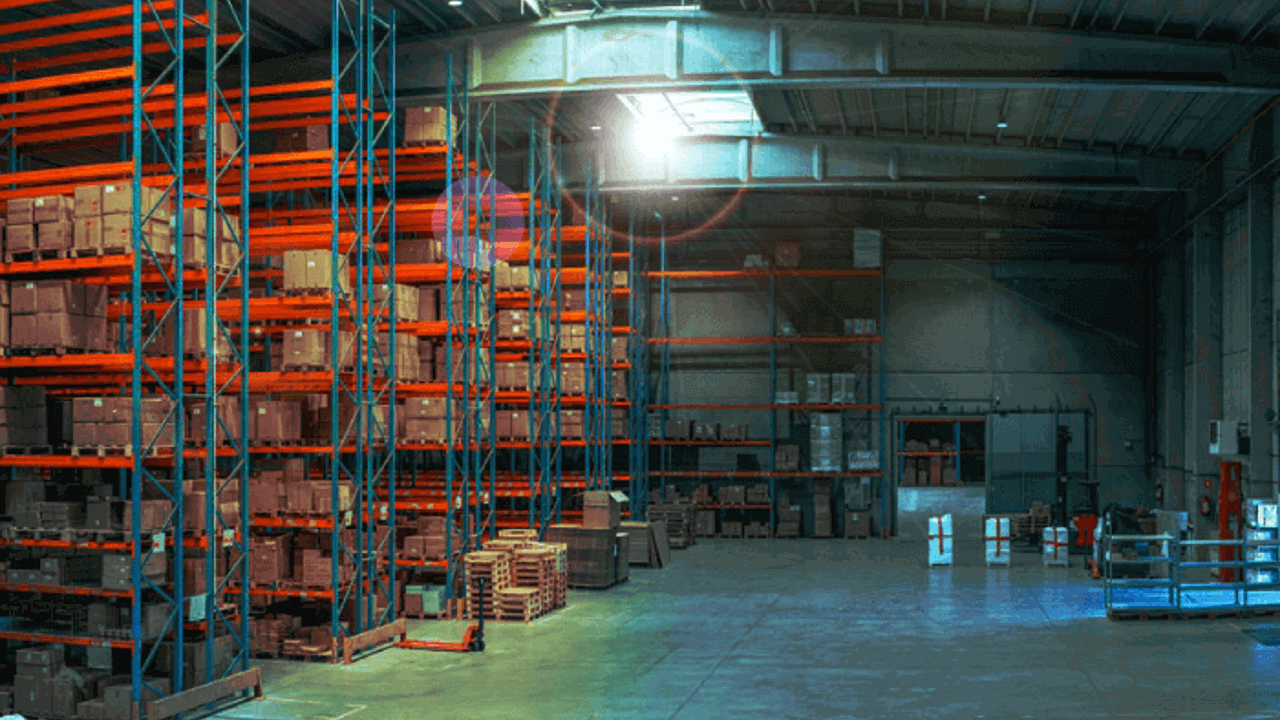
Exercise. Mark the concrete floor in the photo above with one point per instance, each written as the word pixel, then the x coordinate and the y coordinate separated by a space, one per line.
pixel 745 629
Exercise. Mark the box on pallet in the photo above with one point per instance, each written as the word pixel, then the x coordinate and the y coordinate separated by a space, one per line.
pixel 997 534
pixel 940 540
pixel 1055 546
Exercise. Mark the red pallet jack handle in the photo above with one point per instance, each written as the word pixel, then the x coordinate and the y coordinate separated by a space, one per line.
pixel 472 639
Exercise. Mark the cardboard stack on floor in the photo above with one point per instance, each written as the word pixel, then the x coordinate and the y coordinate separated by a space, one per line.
pixel 648 543
pixel 679 519
pixel 934 471
pixel 598 554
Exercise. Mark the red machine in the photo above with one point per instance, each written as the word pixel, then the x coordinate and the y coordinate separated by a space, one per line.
pixel 1229 513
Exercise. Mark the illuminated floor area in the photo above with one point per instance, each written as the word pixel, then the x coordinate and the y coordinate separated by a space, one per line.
pixel 751 629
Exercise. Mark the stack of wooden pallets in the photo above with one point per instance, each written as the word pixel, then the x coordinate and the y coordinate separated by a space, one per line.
pixel 521 604
pixel 679 520
pixel 496 569
pixel 536 568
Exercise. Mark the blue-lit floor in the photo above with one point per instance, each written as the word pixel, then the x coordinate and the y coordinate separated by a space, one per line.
pixel 1192 598
pixel 771 629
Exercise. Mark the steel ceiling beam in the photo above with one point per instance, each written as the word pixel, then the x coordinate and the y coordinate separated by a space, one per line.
pixel 632 51
pixel 832 162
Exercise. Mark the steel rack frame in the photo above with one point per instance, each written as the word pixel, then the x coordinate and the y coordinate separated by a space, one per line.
pixel 873 409
pixel 597 421
pixel 376 371
pixel 639 431
pixel 221 289
pixel 544 362
pixel 481 311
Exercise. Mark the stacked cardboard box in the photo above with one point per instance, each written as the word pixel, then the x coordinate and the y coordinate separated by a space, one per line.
pixel 514 325
pixel 787 255
pixel 867 245
pixel 826 442
pixel 849 389
pixel 679 520
pixel 267 632
pixel 757 495
pixel 311 271
pixel 269 560
pixel 789 518
pixel 227 425
pixel 274 422
pixel 104 219
pixel 571 424
pixel 602 509
pixel 225 140
pixel 24 410
pixel 573 379
pixel 679 430
pixel 755 530
pixel 817 389
pixel 731 529
pixel 117 570
pixel 195 238
pixel 312 138
pixel 620 423
pixel 512 375
pixel 822 507
pixel 194 659
pixel 424 420
pixel 311 350
pixel 706 431
pixel 454 363
pixel 428 126
pixel 573 338
pixel 705 523
pixel 194 341
pixel 859 326
pixel 733 494
pixel 787 458
pixel 407 300
pixel 57 314
pixel 107 422
pixel 422 250
pixel 591 554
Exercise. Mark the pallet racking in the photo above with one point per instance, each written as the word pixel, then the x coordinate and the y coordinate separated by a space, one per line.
pixel 957 424
pixel 126 93
pixel 870 415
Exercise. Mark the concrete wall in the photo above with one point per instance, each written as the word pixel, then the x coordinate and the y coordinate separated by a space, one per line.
pixel 1028 334
pixel 1216 340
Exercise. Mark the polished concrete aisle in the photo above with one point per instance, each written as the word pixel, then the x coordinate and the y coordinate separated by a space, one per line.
pixel 745 629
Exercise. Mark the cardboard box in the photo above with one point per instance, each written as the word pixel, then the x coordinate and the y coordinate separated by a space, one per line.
pixel 20 211
pixel 602 509
pixel 857 525
pixel 787 255
pixel 19 238
pixel 116 232
pixel 54 235
pixel 52 208
pixel 428 125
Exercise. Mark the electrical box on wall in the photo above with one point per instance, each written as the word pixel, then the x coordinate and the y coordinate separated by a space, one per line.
pixel 1228 437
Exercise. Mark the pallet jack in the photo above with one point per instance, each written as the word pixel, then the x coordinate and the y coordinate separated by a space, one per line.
pixel 472 639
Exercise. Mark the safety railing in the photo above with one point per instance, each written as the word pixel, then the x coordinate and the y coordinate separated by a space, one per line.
pixel 1248 575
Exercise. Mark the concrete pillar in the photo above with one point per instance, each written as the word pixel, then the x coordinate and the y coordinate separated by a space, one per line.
pixel 1172 320
pixel 1205 338
pixel 1259 472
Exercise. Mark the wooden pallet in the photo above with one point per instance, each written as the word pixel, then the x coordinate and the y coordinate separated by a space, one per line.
pixel 36 255
pixel 95 252
pixel 99 450
pixel 26 449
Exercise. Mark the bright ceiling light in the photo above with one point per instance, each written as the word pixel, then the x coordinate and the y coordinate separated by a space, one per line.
pixel 455 3
pixel 982 197
pixel 654 139
pixel 1002 124
pixel 595 128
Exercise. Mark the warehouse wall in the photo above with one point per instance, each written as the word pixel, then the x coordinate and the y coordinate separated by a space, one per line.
pixel 1216 291
pixel 1022 336
pixel 1030 334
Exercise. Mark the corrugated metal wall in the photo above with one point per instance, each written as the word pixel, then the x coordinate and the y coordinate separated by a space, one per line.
pixel 1236 386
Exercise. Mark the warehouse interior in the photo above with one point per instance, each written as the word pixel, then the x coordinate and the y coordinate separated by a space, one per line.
pixel 574 358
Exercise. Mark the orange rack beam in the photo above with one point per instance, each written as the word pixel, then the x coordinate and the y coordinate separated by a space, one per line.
pixel 65 590
pixel 59 639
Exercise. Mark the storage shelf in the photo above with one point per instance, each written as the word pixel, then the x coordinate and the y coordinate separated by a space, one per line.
pixel 35 636
pixel 77 590
pixel 729 506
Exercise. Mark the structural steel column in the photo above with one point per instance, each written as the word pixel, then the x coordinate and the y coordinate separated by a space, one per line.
pixel 1257 479
pixel 1205 339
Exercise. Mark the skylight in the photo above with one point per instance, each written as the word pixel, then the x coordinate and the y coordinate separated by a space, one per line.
pixel 695 113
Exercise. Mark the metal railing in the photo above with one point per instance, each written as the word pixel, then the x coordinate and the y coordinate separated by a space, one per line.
pixel 1251 584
